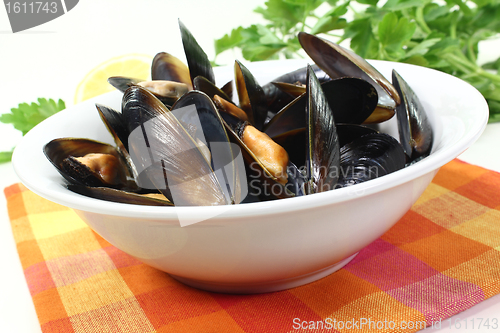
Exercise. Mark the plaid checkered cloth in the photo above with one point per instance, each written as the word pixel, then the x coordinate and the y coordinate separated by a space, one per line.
pixel 441 258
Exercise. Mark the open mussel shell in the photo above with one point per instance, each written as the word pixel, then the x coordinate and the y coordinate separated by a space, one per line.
pixel 295 141
pixel 415 131
pixel 259 176
pixel 369 157
pixel 122 83
pixel 351 100
pixel 163 149
pixel 322 149
pixel 337 61
pixel 166 91
pixel 198 62
pixel 228 89
pixel 169 68
pixel 114 195
pixel 250 95
pixel 350 132
pixel 207 128
pixel 64 153
pixel 202 84
pixel 113 121
pixel 294 90
pixel 277 97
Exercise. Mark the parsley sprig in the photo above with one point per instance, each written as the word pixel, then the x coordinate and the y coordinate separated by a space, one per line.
pixel 442 35
pixel 26 116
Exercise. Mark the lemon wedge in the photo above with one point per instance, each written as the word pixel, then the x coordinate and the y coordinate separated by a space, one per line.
pixel 95 82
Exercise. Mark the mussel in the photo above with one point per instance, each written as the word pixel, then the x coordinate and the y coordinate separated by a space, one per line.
pixel 337 61
pixel 298 135
pixel 182 160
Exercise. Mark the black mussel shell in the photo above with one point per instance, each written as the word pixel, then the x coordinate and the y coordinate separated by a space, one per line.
pixel 294 142
pixel 62 153
pixel 113 121
pixel 197 59
pixel 250 95
pixel 351 100
pixel 337 61
pixel 138 107
pixel 168 96
pixel 290 118
pixel 114 195
pixel 294 90
pixel 277 98
pixel 210 130
pixel 415 131
pixel 122 83
pixel 169 68
pixel 259 177
pixel 369 157
pixel 322 149
pixel 228 89
pixel 163 149
pixel 202 84
pixel 350 132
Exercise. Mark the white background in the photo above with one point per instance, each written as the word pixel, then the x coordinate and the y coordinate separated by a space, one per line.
pixel 50 60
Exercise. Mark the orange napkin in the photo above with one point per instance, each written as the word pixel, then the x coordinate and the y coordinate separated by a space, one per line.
pixel 441 258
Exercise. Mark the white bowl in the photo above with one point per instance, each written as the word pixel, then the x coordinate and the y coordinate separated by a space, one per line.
pixel 265 246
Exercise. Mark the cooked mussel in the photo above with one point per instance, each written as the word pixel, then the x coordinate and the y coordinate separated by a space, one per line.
pixel 120 196
pixel 166 67
pixel 337 61
pixel 185 145
pixel 174 160
pixel 415 131
pixel 351 100
pixel 369 157
pixel 198 62
pixel 322 149
pixel 166 91
pixel 267 162
pixel 251 96
pixel 277 97
pixel 89 163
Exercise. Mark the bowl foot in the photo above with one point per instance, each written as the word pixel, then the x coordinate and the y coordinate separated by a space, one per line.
pixel 264 287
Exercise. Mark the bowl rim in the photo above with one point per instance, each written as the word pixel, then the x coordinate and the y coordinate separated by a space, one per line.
pixel 410 173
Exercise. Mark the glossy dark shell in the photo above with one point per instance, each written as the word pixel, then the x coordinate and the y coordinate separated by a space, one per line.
pixel 256 170
pixel 114 195
pixel 163 149
pixel 351 100
pixel 415 131
pixel 350 132
pixel 337 61
pixel 113 121
pixel 169 68
pixel 202 84
pixel 322 149
pixel 198 62
pixel 122 83
pixel 277 98
pixel 250 95
pixel 61 153
pixel 369 157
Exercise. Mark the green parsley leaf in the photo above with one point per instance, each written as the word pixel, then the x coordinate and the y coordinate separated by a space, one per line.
pixel 229 41
pixel 5 156
pixel 442 35
pixel 26 116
